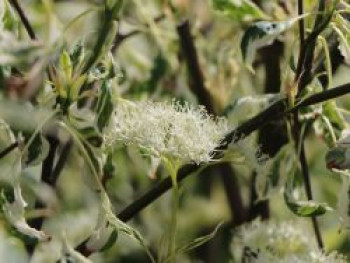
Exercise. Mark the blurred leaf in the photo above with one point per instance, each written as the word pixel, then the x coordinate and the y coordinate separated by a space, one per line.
pixel 120 226
pixel 18 53
pixel 114 6
pixel 239 10
pixel 14 213
pixel 76 87
pixel 343 204
pixel 331 111
pixel 199 241
pixel 307 208
pixel 104 235
pixel 66 66
pixel 9 20
pixel 37 151
pixel 300 208
pixel 104 107
pixel 261 34
pixel 77 54
pixel 159 69
pixel 338 157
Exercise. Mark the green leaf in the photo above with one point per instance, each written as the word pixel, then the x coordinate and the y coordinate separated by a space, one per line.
pixel 330 110
pixel 77 54
pixel 66 65
pixel 9 19
pixel 37 151
pixel 2 14
pixel 301 208
pixel 104 105
pixel 114 7
pixel 239 10
pixel 120 226
pixel 261 34
pixel 308 208
pixel 199 241
pixel 338 157
pixel 343 204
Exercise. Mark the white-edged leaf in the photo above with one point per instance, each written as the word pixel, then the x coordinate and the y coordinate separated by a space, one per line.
pixel 303 208
pixel 343 204
pixel 120 226
pixel 72 253
pixel 14 213
pixel 239 10
pixel 338 157
pixel 261 34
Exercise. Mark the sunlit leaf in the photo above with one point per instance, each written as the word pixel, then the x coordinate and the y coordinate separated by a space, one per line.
pixel 239 10
pixel 261 34
pixel 14 213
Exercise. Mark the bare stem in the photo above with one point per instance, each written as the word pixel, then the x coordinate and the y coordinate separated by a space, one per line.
pixel 296 124
pixel 8 149
pixel 24 19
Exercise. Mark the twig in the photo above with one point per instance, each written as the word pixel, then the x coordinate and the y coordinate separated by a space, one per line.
pixel 60 162
pixel 275 111
pixel 24 19
pixel 271 58
pixel 120 38
pixel 196 78
pixel 47 167
pixel 304 69
pixel 9 149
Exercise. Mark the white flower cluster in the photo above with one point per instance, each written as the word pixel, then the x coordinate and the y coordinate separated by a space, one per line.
pixel 285 242
pixel 167 129
pixel 311 257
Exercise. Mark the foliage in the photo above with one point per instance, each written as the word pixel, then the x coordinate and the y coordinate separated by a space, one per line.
pixel 95 95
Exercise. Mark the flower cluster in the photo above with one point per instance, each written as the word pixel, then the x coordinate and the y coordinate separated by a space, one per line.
pixel 167 129
pixel 286 242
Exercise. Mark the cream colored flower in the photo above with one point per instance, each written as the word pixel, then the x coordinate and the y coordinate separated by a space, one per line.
pixel 167 129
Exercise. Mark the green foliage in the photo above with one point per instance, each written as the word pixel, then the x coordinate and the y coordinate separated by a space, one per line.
pixel 104 98
pixel 239 10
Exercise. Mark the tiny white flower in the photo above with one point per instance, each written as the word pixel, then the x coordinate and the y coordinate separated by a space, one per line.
pixel 167 129
pixel 285 242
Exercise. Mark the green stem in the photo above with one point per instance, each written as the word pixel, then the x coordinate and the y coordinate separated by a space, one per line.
pixel 173 167
pixel 175 194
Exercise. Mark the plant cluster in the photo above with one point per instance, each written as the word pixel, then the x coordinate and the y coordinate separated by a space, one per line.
pixel 174 89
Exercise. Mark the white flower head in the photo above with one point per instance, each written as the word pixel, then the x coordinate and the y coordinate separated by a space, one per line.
pixel 167 129
pixel 264 239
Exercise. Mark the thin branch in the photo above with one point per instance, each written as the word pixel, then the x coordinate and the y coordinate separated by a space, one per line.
pixel 9 149
pixel 120 38
pixel 301 23
pixel 196 75
pixel 24 19
pixel 275 111
pixel 322 97
pixel 306 53
pixel 197 83
pixel 304 69
pixel 47 166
